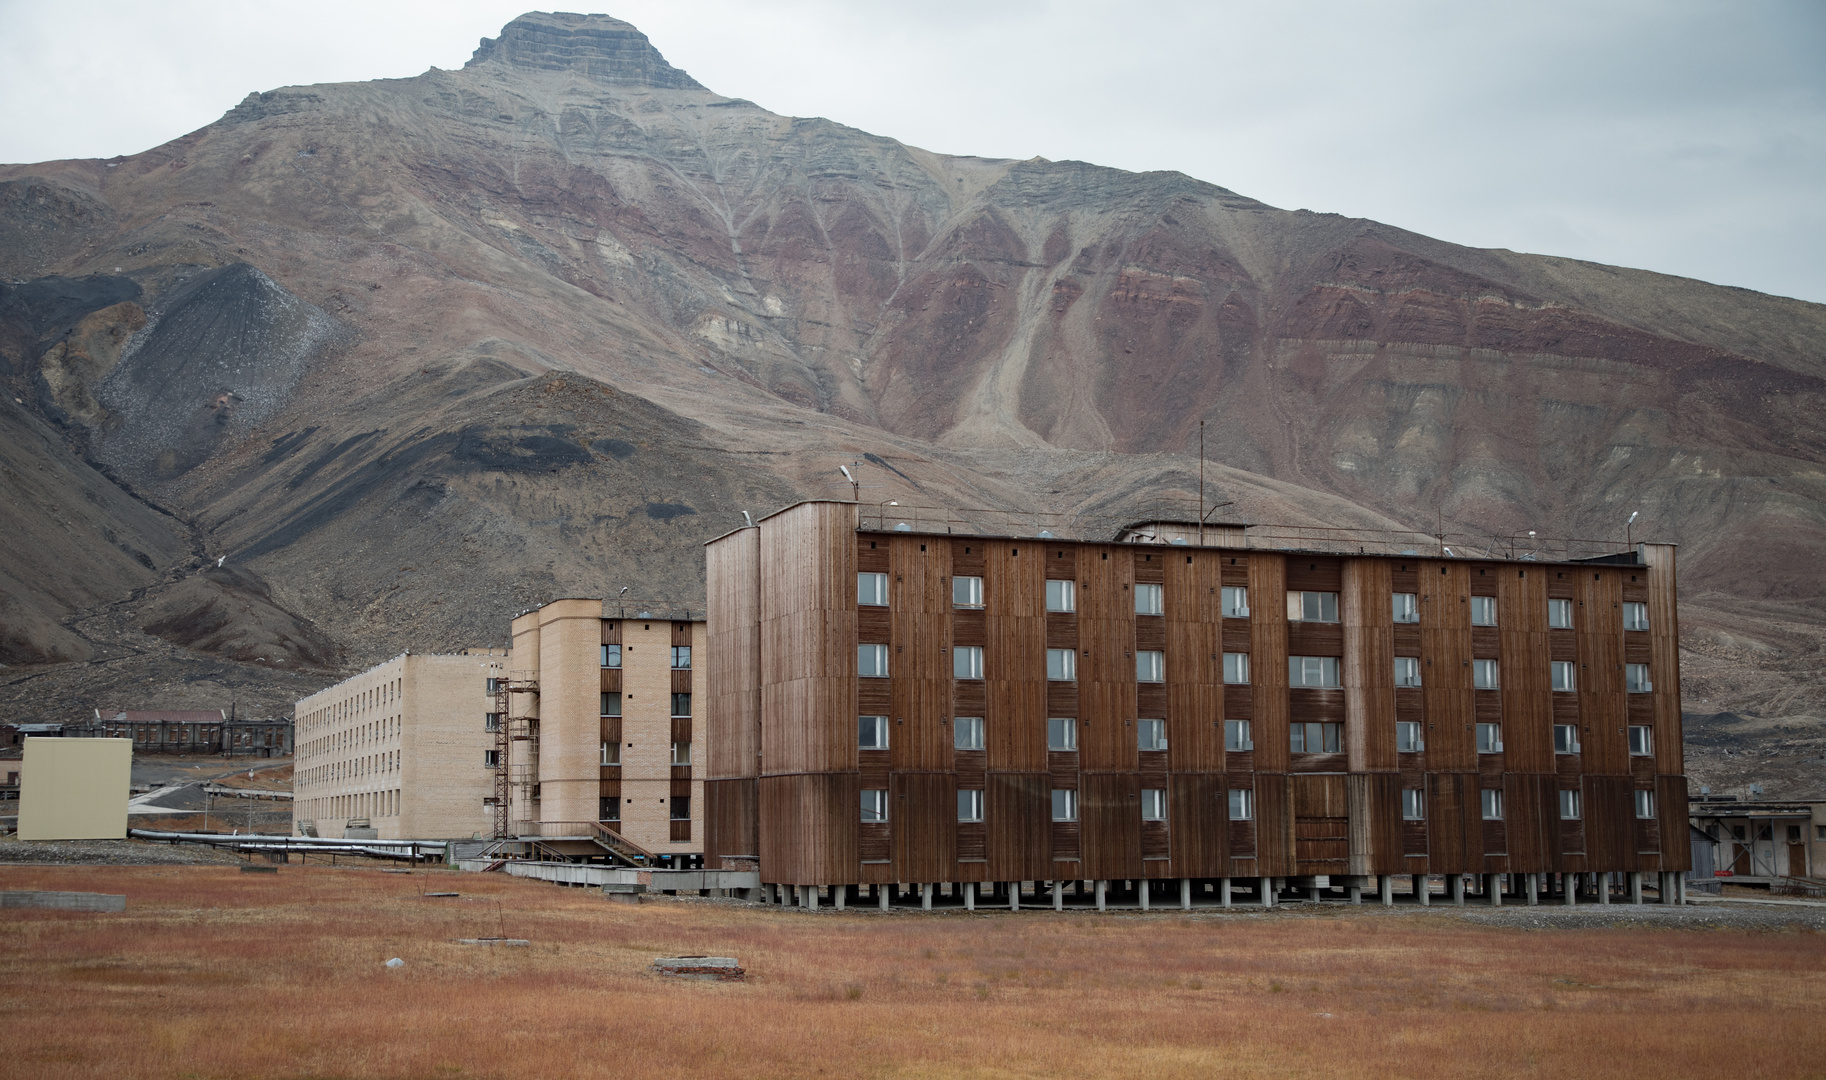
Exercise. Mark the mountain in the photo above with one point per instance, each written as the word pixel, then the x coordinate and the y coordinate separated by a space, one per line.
pixel 412 355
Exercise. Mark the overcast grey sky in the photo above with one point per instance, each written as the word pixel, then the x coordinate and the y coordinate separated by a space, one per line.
pixel 1683 137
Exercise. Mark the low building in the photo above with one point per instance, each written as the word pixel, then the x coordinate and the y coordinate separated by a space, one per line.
pixel 215 732
pixel 1761 841
pixel 907 705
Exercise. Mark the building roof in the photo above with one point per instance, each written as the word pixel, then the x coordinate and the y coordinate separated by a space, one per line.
pixel 161 716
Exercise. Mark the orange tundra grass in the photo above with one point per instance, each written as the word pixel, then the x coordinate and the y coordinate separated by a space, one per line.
pixel 215 973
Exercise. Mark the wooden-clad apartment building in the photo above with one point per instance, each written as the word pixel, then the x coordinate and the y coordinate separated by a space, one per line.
pixel 894 707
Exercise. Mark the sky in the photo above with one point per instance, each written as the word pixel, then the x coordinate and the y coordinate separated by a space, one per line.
pixel 1683 137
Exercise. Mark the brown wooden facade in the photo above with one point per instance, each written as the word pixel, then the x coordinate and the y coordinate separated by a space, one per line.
pixel 786 775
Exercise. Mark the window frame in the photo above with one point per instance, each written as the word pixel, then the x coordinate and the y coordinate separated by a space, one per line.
pixel 1486 675
pixel 1154 804
pixel 1646 740
pixel 1491 802
pixel 1413 804
pixel 1483 611
pixel 1150 666
pixel 966 661
pixel 611 657
pixel 878 651
pixel 1559 614
pixel 874 806
pixel 1645 801
pixel 1067 727
pixel 681 758
pixel 1571 804
pixel 1414 733
pixel 681 652
pixel 1407 672
pixel 610 760
pixel 1067 596
pixel 1235 601
pixel 1238 738
pixel 969 806
pixel 1637 679
pixel 1150 734
pixel 1330 737
pixel 1240 804
pixel 1568 668
pixel 610 698
pixel 1157 594
pixel 971 588
pixel 1566 745
pixel 676 714
pixel 879 587
pixel 1298 605
pixel 864 723
pixel 1064 804
pixel 959 724
pixel 1404 614
pixel 1066 666
pixel 1494 743
pixel 1236 663
pixel 1333 671
pixel 1631 610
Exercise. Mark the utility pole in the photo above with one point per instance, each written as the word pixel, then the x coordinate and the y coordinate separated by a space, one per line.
pixel 1201 483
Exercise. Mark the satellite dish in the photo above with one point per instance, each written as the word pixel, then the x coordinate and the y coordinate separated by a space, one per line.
pixel 1045 534
pixel 903 527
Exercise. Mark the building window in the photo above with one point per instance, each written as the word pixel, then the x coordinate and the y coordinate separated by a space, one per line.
pixel 608 809
pixel 1636 680
pixel 1493 804
pixel 1572 805
pixel 491 721
pixel 1236 668
pixel 1635 616
pixel 967 662
pixel 967 592
pixel 1312 607
pixel 1489 738
pixel 1413 804
pixel 1236 602
pixel 1061 665
pixel 1316 738
pixel 1061 596
pixel 1242 804
pixel 491 759
pixel 1149 599
pixel 969 805
pixel 1641 740
pixel 681 658
pixel 1407 608
pixel 1064 805
pixel 681 808
pixel 1319 671
pixel 1236 736
pixel 1559 614
pixel 681 704
pixel 871 732
pixel 1645 804
pixel 611 704
pixel 494 686
pixel 1483 611
pixel 874 805
pixel 1565 738
pixel 1408 737
pixel 611 753
pixel 1407 671
pixel 1484 675
pixel 1150 666
pixel 1153 804
pixel 1061 733
pixel 1151 734
pixel 1563 681
pixel 967 733
pixel 611 656
pixel 681 753
pixel 872 590
pixel 872 661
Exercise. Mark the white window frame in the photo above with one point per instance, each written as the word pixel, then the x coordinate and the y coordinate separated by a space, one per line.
pixel 1572 804
pixel 1061 734
pixel 1565 676
pixel 874 805
pixel 1566 738
pixel 681 753
pixel 1303 670
pixel 1483 611
pixel 967 661
pixel 966 592
pixel 1321 607
pixel 1492 801
pixel 871 590
pixel 1486 675
pixel 611 656
pixel 1559 614
pixel 1061 665
pixel 967 733
pixel 611 753
pixel 1235 601
pixel 1237 738
pixel 969 805
pixel 1405 607
pixel 1407 671
pixel 1641 740
pixel 1645 804
pixel 1150 666
pixel 871 733
pixel 1635 615
pixel 1242 804
pixel 1328 731
pixel 1489 738
pixel 1410 737
pixel 872 661
pixel 1151 734
pixel 1150 599
pixel 491 759
pixel 1413 804
pixel 1153 804
pixel 1061 596
pixel 1064 804
pixel 1636 679
pixel 1236 669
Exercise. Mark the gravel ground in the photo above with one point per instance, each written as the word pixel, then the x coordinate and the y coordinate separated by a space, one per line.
pixel 111 853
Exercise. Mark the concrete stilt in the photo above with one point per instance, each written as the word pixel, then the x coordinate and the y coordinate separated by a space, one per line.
pixel 1058 896
pixel 1014 895
pixel 1458 890
pixel 1223 892
pixel 1185 894
pixel 969 896
pixel 1635 886
pixel 840 893
pixel 1356 894
pixel 1603 888
pixel 1680 887
pixel 1103 888
pixel 1267 892
pixel 1141 887
pixel 1423 888
pixel 925 896
pixel 884 895
pixel 1312 893
pixel 1534 889
pixel 1569 886
pixel 1495 889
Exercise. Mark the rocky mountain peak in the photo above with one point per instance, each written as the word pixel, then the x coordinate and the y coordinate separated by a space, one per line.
pixel 606 49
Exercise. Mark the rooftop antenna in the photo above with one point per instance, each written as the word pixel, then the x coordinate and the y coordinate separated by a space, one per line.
pixel 1201 483
pixel 747 521
pixel 1628 529
pixel 855 485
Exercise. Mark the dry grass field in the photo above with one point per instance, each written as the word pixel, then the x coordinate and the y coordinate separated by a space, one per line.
pixel 214 973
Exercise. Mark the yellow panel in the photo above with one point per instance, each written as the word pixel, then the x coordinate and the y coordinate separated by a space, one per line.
pixel 75 789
